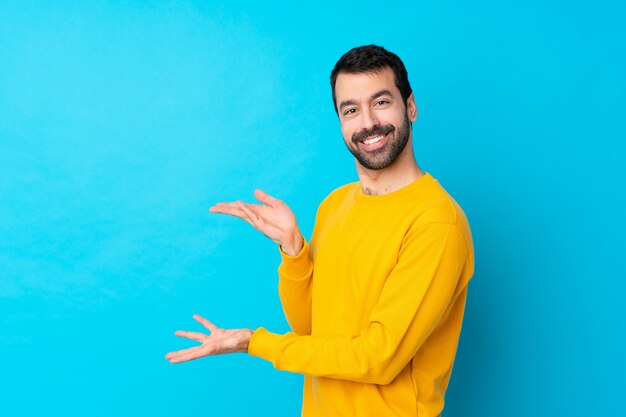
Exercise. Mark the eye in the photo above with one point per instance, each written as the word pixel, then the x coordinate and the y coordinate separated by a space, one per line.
pixel 381 102
pixel 349 112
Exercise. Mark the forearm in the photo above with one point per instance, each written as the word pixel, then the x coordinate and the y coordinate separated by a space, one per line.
pixel 376 355
pixel 346 358
pixel 294 289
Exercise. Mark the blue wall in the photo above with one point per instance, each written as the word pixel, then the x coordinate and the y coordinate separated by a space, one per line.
pixel 122 122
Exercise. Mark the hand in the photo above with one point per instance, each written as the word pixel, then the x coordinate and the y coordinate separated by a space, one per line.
pixel 273 218
pixel 218 342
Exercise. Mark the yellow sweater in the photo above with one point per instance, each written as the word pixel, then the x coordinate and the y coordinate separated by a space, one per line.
pixel 375 303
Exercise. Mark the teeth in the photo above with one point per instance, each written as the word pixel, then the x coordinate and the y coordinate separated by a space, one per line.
pixel 373 140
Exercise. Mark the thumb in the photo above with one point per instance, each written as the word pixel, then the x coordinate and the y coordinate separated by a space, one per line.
pixel 265 198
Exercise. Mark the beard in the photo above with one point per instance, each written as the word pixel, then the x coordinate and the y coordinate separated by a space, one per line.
pixel 383 157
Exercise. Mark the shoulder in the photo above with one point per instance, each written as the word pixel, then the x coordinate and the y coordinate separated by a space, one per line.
pixel 428 202
pixel 438 207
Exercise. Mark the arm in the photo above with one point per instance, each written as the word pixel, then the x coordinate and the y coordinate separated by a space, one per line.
pixel 414 299
pixel 295 284
pixel 276 221
pixel 294 289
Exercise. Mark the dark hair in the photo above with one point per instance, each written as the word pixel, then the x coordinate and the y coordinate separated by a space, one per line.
pixel 371 58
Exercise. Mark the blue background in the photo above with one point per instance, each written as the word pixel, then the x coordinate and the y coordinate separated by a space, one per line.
pixel 121 123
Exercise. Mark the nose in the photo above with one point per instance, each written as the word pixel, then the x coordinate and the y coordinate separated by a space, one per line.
pixel 368 119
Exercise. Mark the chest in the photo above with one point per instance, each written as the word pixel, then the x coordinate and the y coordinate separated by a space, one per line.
pixel 355 251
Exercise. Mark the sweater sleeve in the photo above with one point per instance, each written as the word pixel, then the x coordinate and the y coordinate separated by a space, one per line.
pixel 294 289
pixel 415 297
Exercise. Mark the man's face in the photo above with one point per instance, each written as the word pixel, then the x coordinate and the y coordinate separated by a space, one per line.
pixel 375 122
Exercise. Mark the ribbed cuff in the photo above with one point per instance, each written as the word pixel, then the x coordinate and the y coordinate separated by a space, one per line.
pixel 263 344
pixel 297 267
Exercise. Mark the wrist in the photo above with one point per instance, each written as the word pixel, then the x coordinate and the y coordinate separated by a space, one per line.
pixel 244 341
pixel 295 244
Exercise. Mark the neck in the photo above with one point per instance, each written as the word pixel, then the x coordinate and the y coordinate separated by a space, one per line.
pixel 398 175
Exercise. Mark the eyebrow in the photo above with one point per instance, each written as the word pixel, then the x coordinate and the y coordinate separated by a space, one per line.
pixel 373 97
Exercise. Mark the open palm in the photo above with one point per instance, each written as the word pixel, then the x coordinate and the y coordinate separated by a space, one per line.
pixel 218 342
pixel 273 218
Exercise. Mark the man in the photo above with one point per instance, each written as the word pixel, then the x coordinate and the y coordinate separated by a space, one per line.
pixel 376 299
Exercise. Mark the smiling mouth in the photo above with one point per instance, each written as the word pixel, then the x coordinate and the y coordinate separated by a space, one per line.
pixel 370 137
pixel 373 140
pixel 373 143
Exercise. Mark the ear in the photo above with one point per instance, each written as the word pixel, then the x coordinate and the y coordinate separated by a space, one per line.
pixel 411 108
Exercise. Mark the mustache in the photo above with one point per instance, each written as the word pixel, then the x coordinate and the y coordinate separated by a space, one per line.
pixel 375 131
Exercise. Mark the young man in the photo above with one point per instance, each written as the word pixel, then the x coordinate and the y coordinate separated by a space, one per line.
pixel 376 299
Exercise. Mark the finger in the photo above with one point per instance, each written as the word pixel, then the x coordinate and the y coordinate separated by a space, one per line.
pixel 212 327
pixel 198 352
pixel 229 208
pixel 225 204
pixel 187 355
pixel 179 359
pixel 252 216
pixel 265 198
pixel 244 216
pixel 233 211
pixel 226 208
pixel 179 352
pixel 198 337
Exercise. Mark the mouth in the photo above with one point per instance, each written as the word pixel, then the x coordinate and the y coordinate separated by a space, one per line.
pixel 373 142
pixel 373 139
